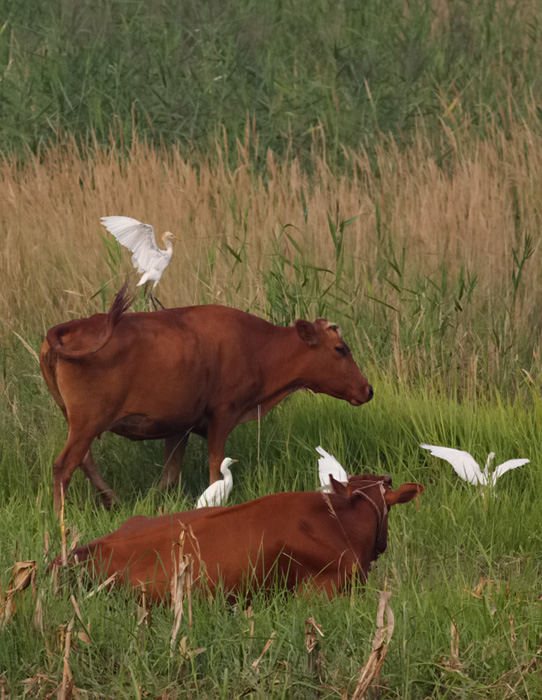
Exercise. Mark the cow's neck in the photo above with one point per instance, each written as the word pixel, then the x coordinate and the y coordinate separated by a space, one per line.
pixel 282 363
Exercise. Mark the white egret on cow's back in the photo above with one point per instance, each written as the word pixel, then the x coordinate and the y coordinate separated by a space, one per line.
pixel 468 468
pixel 327 464
pixel 149 259
pixel 217 493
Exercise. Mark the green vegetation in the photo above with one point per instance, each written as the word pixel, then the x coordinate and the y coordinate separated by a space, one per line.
pixel 376 163
pixel 460 557
pixel 176 71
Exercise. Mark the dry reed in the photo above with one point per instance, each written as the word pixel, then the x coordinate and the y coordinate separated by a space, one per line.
pixel 472 210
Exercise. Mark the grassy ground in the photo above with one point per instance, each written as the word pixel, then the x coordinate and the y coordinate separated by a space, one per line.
pixel 456 557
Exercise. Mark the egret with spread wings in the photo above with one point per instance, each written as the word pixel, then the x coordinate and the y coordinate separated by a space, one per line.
pixel 147 256
pixel 327 466
pixel 468 468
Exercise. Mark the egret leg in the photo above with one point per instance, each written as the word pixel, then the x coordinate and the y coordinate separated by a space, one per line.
pixel 156 300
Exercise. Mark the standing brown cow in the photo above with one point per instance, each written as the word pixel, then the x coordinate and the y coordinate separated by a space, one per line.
pixel 166 374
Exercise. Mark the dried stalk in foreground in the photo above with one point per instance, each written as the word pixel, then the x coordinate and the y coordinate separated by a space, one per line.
pixel 24 573
pixel 371 670
pixel 311 644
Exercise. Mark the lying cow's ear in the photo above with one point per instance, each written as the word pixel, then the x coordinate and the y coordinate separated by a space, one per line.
pixel 307 331
pixel 403 494
pixel 338 487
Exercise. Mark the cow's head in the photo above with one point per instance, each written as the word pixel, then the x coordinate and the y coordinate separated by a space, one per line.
pixel 331 369
pixel 364 482
pixel 377 491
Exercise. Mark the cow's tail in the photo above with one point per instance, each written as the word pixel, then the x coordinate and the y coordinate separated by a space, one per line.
pixel 55 336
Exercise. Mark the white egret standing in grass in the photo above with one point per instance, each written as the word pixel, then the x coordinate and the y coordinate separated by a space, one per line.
pixel 147 256
pixel 217 493
pixel 327 464
pixel 468 468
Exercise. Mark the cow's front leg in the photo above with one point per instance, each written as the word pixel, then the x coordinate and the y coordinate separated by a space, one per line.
pixel 174 448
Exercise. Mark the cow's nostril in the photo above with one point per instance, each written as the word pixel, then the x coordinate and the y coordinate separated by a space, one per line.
pixel 370 393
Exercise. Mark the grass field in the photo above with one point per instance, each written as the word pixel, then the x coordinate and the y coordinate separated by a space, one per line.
pixel 457 557
pixel 436 285
pixel 375 163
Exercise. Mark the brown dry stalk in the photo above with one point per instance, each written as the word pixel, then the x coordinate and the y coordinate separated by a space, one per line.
pixel 180 585
pixel 38 615
pixel 384 630
pixel 106 583
pixel 64 549
pixel 64 691
pixel 270 641
pixel 312 628
pixel 454 646
pixel 23 574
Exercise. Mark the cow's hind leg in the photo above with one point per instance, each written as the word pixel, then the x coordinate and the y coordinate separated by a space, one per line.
pixel 174 448
pixel 108 496
pixel 67 462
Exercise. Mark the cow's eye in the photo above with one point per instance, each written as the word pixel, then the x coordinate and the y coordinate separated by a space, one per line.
pixel 341 349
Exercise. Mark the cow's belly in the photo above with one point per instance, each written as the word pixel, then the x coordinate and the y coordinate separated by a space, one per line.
pixel 140 427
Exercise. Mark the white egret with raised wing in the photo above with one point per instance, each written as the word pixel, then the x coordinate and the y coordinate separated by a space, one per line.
pixel 149 259
pixel 217 493
pixel 327 464
pixel 468 468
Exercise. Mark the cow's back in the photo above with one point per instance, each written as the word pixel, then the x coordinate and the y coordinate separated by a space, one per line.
pixel 164 371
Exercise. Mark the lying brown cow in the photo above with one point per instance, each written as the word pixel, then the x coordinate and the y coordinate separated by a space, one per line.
pixel 166 374
pixel 297 539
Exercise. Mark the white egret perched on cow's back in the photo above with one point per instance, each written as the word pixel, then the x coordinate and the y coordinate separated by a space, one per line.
pixel 217 493
pixel 327 464
pixel 149 259
pixel 468 468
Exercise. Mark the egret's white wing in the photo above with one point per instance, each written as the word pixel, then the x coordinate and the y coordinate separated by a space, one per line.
pixel 213 495
pixel 327 464
pixel 137 237
pixel 463 463
pixel 506 466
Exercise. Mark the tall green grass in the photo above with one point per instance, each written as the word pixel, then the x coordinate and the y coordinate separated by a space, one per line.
pixel 184 72
pixel 458 556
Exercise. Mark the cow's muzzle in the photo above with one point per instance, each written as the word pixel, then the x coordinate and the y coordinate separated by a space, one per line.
pixel 365 396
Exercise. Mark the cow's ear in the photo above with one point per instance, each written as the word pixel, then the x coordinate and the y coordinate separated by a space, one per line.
pixel 338 487
pixel 403 494
pixel 307 331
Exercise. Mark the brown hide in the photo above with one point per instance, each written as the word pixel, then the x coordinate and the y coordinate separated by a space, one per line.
pixel 165 374
pixel 293 539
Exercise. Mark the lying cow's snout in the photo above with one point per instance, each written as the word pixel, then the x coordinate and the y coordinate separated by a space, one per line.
pixel 370 392
pixel 387 479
